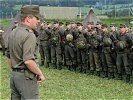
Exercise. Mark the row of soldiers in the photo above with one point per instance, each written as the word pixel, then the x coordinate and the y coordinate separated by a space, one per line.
pixel 91 48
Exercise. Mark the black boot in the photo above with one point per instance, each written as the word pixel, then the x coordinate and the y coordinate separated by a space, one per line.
pixel 91 72
pixel 128 78
pixel 105 74
pixel 98 73
pixel 69 67
pixel 111 75
pixel 47 66
pixel 42 63
pixel 74 68
pixel 60 66
pixel 119 76
pixel 3 53
pixel 84 70
pixel 54 66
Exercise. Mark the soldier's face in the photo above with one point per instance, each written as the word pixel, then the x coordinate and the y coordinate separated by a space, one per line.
pixel 113 28
pixel 122 29
pixel 33 21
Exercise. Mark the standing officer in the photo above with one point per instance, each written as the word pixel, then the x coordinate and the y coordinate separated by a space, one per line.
pixel 21 47
pixel 2 40
pixel 123 45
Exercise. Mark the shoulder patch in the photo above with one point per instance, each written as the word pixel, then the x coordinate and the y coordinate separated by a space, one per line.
pixel 29 30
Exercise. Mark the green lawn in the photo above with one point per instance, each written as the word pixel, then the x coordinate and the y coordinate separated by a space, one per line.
pixel 66 85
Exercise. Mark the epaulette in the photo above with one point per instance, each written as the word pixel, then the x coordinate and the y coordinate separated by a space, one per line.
pixel 29 30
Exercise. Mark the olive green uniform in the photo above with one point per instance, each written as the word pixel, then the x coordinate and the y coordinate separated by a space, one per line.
pixel 2 41
pixel 94 57
pixel 113 37
pixel 122 54
pixel 45 46
pixel 69 51
pixel 81 52
pixel 41 46
pixel 21 47
pixel 56 48
pixel 107 62
pixel 62 44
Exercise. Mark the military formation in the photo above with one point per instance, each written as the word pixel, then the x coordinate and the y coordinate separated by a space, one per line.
pixel 99 50
pixel 92 49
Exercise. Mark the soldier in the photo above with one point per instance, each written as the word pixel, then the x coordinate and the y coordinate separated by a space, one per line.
pixel 2 40
pixel 56 47
pixel 113 33
pixel 47 48
pixel 99 28
pixel 130 35
pixel 20 51
pixel 94 59
pixel 90 25
pixel 62 35
pixel 107 63
pixel 81 50
pixel 123 45
pixel 87 37
pixel 69 47
pixel 42 39
pixel 16 23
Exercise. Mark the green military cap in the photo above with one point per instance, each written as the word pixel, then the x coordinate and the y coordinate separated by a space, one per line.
pixel 67 23
pixel 73 22
pixel 61 23
pixel 104 26
pixel 91 23
pixel 79 24
pixel 98 22
pixel 112 24
pixel 122 25
pixel 48 23
pixel 31 9
pixel 56 22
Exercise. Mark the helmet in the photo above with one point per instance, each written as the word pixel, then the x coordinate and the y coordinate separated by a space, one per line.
pixel 54 40
pixel 121 45
pixel 107 41
pixel 81 44
pixel 69 37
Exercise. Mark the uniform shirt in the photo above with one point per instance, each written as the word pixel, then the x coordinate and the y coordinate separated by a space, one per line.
pixel 124 37
pixel 43 36
pixel 21 46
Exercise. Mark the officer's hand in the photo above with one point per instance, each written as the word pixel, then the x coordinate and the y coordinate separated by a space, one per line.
pixel 40 78
pixel 1 31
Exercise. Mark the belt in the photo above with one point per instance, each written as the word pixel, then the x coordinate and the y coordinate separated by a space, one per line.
pixel 18 70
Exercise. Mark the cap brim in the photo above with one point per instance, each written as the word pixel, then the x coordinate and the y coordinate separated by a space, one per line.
pixel 39 16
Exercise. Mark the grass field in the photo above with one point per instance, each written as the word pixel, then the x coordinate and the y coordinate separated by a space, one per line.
pixel 66 85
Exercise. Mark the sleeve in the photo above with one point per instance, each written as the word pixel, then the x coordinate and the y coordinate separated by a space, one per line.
pixel 29 47
pixel 8 51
